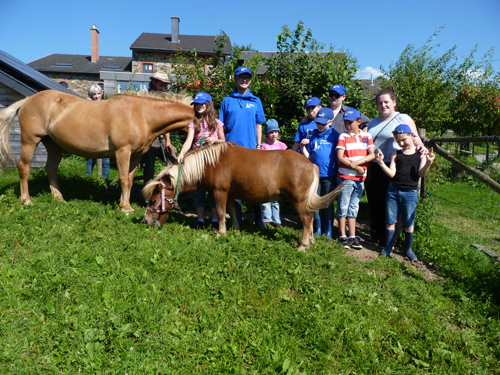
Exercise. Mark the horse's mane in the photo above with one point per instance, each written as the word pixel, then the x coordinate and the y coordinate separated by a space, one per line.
pixel 192 168
pixel 181 97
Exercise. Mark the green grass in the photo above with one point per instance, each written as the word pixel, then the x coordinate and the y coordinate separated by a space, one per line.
pixel 86 289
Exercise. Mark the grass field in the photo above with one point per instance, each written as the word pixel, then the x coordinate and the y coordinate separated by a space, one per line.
pixel 86 289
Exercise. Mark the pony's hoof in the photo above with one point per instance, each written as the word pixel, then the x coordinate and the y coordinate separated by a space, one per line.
pixel 127 210
pixel 302 249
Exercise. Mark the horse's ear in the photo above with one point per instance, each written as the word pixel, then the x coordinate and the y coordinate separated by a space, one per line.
pixel 171 158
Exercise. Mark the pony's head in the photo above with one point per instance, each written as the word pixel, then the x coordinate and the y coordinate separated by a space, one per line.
pixel 160 194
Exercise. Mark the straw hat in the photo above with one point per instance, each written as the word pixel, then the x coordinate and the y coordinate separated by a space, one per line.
pixel 160 77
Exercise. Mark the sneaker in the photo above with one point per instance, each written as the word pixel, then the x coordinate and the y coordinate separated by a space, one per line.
pixel 344 241
pixel 354 242
pixel 200 224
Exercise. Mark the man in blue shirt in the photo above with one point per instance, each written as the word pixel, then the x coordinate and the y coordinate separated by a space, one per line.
pixel 242 115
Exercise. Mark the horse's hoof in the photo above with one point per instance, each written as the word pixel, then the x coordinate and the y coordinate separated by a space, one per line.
pixel 302 249
pixel 127 210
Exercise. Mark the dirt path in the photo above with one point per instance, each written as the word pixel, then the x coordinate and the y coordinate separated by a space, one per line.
pixel 367 254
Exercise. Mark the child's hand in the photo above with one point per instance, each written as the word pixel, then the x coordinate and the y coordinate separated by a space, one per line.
pixel 180 158
pixel 379 157
pixel 431 156
pixel 360 169
pixel 304 142
pixel 210 141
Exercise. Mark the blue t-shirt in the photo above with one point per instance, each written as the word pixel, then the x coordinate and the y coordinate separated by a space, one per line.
pixel 240 115
pixel 304 131
pixel 321 148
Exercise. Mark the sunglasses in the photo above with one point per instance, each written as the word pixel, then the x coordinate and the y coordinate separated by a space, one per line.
pixel 334 94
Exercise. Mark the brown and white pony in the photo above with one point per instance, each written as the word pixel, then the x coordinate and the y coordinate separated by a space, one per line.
pixel 123 127
pixel 232 172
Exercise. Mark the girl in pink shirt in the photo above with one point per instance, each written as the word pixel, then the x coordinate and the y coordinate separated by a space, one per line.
pixel 205 124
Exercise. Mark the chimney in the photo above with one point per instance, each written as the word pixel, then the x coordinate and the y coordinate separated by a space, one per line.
pixel 175 29
pixel 94 39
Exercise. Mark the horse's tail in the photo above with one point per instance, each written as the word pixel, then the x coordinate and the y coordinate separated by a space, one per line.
pixel 314 202
pixel 6 120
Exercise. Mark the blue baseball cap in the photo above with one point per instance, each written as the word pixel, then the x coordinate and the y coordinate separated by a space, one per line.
pixel 351 114
pixel 339 89
pixel 241 70
pixel 314 101
pixel 272 125
pixel 402 129
pixel 202 98
pixel 324 115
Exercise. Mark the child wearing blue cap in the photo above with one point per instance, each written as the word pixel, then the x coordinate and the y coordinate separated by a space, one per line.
pixel 320 149
pixel 205 125
pixel 354 150
pixel 271 210
pixel 307 125
pixel 406 166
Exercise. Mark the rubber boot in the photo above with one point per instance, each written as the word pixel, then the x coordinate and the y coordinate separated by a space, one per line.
pixel 388 247
pixel 257 209
pixel 239 213
pixel 408 245
pixel 328 229
pixel 317 227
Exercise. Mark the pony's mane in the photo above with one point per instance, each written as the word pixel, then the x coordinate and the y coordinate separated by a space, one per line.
pixel 181 97
pixel 192 168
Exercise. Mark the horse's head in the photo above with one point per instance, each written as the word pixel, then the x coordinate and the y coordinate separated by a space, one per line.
pixel 160 195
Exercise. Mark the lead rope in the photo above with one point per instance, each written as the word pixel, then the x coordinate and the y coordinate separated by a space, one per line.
pixel 178 183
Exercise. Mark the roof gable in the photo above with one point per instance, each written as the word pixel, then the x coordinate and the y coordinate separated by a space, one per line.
pixel 63 63
pixel 21 77
pixel 163 42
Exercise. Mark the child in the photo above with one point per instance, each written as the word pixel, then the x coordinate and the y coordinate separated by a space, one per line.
pixel 271 210
pixel 407 165
pixel 354 150
pixel 320 149
pixel 307 125
pixel 205 124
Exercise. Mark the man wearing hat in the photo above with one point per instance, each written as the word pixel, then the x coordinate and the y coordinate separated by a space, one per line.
pixel 158 83
pixel 337 95
pixel 242 114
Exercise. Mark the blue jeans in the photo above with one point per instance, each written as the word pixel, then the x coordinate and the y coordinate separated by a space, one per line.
pixel 200 199
pixel 348 200
pixel 326 185
pixel 105 167
pixel 401 201
pixel 271 212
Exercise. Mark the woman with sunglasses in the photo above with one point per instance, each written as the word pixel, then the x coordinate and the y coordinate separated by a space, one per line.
pixel 377 182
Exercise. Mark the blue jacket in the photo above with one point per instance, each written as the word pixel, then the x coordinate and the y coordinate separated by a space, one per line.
pixel 322 151
pixel 240 115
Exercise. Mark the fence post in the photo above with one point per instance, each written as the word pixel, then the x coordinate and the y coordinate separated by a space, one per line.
pixel 99 168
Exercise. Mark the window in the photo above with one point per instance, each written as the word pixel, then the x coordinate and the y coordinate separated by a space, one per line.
pixel 147 68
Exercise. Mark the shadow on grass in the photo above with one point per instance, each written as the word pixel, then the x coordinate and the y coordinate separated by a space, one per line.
pixel 72 187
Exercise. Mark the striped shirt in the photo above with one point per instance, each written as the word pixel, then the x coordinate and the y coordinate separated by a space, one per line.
pixel 355 147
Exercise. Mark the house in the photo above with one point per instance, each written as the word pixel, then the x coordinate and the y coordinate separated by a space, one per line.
pixel 78 72
pixel 17 81
pixel 150 53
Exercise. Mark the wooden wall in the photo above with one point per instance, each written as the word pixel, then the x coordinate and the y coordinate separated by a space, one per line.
pixel 7 97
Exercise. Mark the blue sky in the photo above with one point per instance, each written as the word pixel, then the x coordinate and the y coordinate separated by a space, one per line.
pixel 373 32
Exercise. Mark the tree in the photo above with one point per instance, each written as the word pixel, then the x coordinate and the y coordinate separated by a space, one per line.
pixel 427 85
pixel 301 69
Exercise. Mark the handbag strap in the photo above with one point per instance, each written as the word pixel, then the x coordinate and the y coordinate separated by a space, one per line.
pixel 385 126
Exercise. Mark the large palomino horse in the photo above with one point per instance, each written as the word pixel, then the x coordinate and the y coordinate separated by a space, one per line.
pixel 124 127
pixel 232 172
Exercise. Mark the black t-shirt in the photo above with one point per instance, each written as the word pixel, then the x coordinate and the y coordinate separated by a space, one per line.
pixel 406 170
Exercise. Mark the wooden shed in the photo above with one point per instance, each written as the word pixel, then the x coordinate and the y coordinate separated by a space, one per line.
pixel 17 81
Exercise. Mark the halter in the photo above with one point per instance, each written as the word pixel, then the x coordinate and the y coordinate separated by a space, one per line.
pixel 163 199
pixel 162 202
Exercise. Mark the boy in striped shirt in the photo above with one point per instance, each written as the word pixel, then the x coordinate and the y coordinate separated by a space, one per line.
pixel 355 150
